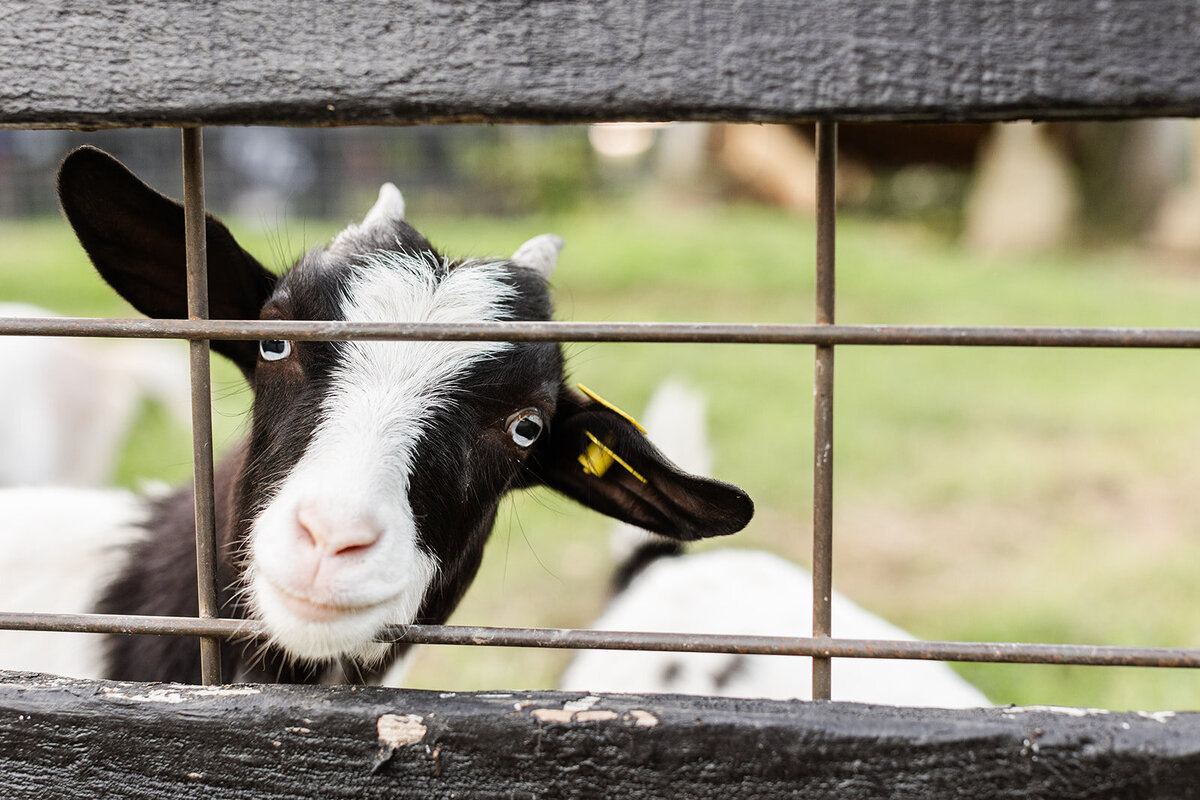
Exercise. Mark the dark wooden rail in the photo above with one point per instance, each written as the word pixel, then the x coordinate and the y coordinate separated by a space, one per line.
pixel 78 63
pixel 76 739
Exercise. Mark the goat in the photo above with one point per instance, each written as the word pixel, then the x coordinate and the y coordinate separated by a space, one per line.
pixel 659 588
pixel 70 403
pixel 372 471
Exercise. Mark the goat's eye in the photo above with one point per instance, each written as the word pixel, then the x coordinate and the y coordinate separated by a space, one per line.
pixel 525 427
pixel 274 349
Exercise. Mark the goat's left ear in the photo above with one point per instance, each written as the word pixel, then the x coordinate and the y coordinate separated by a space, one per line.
pixel 647 490
pixel 135 238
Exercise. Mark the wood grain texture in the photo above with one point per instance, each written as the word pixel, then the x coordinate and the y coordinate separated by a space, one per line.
pixel 84 739
pixel 78 63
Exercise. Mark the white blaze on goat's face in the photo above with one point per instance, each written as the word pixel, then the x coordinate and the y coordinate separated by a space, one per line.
pixel 336 552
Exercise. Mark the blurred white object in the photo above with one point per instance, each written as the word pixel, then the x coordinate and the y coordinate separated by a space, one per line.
pixel 67 404
pixel 63 543
pixel 621 140
pixel 1177 225
pixel 745 592
pixel 751 593
pixel 1023 196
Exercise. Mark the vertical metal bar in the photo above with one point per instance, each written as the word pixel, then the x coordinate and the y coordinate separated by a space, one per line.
pixel 202 455
pixel 823 405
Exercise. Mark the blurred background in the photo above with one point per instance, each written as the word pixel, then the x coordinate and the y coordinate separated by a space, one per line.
pixel 980 494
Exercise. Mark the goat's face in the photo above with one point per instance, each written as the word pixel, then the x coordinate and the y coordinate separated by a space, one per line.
pixel 377 466
pixel 374 469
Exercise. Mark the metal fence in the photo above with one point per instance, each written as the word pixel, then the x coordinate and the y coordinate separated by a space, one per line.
pixel 825 336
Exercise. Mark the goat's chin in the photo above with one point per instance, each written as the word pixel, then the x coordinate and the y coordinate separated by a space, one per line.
pixel 310 631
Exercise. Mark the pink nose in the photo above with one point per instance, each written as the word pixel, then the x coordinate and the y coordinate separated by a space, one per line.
pixel 337 533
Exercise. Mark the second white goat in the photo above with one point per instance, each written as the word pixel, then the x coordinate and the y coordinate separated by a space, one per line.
pixel 69 404
pixel 736 591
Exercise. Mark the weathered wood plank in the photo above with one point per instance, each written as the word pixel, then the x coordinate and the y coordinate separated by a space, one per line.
pixel 79 739
pixel 78 63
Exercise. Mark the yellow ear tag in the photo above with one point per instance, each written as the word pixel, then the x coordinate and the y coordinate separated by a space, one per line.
pixel 599 457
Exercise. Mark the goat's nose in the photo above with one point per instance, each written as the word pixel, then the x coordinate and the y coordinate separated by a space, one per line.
pixel 335 532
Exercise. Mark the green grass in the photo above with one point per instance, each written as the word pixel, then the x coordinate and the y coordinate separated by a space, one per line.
pixel 987 494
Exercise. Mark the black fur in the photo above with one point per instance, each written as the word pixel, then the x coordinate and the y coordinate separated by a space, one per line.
pixel 642 557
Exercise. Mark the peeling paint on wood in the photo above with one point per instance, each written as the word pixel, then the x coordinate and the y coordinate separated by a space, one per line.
pixel 150 693
pixel 582 704
pixel 584 709
pixel 643 719
pixel 398 730
pixel 552 715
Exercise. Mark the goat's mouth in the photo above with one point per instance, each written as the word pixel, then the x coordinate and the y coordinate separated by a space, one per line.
pixel 313 629
pixel 317 611
pixel 312 609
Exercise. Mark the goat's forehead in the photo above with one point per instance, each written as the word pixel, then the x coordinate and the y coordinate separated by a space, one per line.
pixel 402 285
pixel 390 234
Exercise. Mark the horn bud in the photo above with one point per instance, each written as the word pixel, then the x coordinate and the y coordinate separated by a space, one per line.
pixel 539 254
pixel 388 208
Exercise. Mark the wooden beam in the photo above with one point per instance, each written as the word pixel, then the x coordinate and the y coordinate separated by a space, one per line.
pixel 79 63
pixel 85 739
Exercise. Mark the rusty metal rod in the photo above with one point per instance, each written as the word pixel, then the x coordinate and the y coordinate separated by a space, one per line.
pixel 684 332
pixel 987 652
pixel 202 449
pixel 567 638
pixel 129 624
pixel 822 540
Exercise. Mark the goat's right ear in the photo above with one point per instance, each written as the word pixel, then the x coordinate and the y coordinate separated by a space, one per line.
pixel 135 238
pixel 644 488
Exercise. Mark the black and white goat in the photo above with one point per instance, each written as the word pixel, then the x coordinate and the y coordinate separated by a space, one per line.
pixel 372 472
pixel 751 592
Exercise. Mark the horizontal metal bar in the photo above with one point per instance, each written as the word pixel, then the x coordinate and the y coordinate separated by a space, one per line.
pixel 991 652
pixel 688 332
pixel 568 638
pixel 129 624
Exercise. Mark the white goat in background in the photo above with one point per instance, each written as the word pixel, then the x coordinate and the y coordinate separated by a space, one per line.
pixel 731 591
pixel 68 404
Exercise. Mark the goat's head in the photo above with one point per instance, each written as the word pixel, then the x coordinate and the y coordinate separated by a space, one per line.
pixel 374 469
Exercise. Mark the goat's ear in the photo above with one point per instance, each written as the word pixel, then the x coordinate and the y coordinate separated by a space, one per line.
pixel 135 238
pixel 660 497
